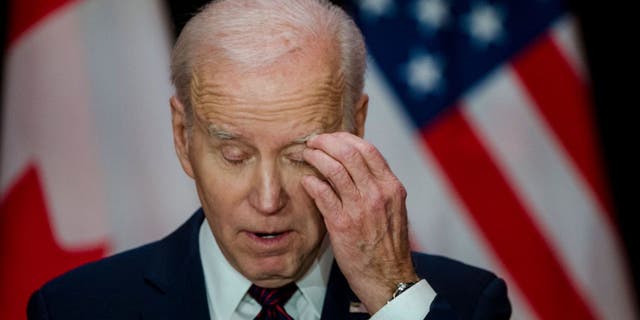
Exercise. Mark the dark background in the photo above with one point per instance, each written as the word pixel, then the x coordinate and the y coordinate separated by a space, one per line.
pixel 608 37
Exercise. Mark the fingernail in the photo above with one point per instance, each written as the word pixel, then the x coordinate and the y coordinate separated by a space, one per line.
pixel 311 137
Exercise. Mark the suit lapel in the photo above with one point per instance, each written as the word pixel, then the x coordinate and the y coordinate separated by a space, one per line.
pixel 339 298
pixel 175 278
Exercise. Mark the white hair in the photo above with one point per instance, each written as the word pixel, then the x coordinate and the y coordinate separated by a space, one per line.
pixel 255 33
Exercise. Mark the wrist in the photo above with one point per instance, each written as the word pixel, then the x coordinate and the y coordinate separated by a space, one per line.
pixel 401 287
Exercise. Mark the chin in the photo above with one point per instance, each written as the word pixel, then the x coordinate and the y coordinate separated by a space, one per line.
pixel 274 272
pixel 273 283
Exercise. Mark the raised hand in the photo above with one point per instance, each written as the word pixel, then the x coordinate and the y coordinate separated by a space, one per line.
pixel 363 205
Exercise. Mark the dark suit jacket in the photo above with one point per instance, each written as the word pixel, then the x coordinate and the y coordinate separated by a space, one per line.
pixel 164 280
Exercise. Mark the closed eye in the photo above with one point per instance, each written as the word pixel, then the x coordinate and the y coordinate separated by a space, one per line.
pixel 298 162
pixel 235 162
pixel 234 155
pixel 295 158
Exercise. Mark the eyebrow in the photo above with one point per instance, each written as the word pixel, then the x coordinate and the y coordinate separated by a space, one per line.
pixel 217 132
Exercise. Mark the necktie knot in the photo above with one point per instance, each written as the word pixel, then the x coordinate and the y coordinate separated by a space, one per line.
pixel 272 300
pixel 267 297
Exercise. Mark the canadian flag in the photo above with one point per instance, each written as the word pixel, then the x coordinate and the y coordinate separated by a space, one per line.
pixel 87 167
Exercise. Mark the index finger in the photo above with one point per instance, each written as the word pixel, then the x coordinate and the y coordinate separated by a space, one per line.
pixel 370 155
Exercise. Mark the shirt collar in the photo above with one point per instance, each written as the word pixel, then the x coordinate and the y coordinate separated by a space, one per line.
pixel 313 284
pixel 226 286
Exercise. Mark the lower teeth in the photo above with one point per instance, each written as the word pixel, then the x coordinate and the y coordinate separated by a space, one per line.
pixel 267 236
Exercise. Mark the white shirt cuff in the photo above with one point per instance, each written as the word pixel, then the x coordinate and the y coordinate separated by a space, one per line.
pixel 412 304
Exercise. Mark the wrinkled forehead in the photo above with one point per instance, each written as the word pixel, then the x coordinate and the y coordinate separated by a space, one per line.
pixel 297 93
pixel 315 62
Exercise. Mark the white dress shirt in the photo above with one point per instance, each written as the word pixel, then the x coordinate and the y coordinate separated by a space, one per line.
pixel 228 299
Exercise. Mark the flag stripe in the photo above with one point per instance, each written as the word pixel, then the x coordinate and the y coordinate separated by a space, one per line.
pixel 435 212
pixel 23 14
pixel 534 152
pixel 550 187
pixel 562 99
pixel 565 36
pixel 504 221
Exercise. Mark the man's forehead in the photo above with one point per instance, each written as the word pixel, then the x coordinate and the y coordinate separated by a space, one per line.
pixel 287 102
pixel 238 84
pixel 304 102
pixel 313 62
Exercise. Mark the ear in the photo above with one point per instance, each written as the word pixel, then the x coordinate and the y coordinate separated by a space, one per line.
pixel 181 134
pixel 360 114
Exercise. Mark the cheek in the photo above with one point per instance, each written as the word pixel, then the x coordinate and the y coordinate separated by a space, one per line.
pixel 291 180
pixel 303 206
pixel 217 185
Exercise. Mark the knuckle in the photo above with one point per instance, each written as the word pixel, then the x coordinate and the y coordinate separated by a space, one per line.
pixel 348 153
pixel 340 224
pixel 376 200
pixel 378 206
pixel 325 193
pixel 335 171
pixel 342 134
pixel 400 189
pixel 369 149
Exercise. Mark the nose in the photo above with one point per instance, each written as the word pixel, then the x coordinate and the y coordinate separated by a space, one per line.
pixel 268 196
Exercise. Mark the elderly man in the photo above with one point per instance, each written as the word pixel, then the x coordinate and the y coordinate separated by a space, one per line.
pixel 268 120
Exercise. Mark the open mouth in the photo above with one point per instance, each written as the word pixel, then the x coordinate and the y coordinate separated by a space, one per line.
pixel 269 243
pixel 268 235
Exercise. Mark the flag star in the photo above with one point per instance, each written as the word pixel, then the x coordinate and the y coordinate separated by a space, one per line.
pixel 431 14
pixel 484 24
pixel 424 73
pixel 376 8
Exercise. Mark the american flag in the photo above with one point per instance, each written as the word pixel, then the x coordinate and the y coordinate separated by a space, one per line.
pixel 482 109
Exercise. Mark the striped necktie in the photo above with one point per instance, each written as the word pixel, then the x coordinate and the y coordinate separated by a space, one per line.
pixel 272 301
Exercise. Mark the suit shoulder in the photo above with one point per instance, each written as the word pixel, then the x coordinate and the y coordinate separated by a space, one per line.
pixel 105 286
pixel 117 287
pixel 469 289
pixel 444 273
pixel 101 273
pixel 129 265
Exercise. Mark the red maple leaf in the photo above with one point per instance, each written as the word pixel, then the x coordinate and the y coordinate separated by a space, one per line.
pixel 29 253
